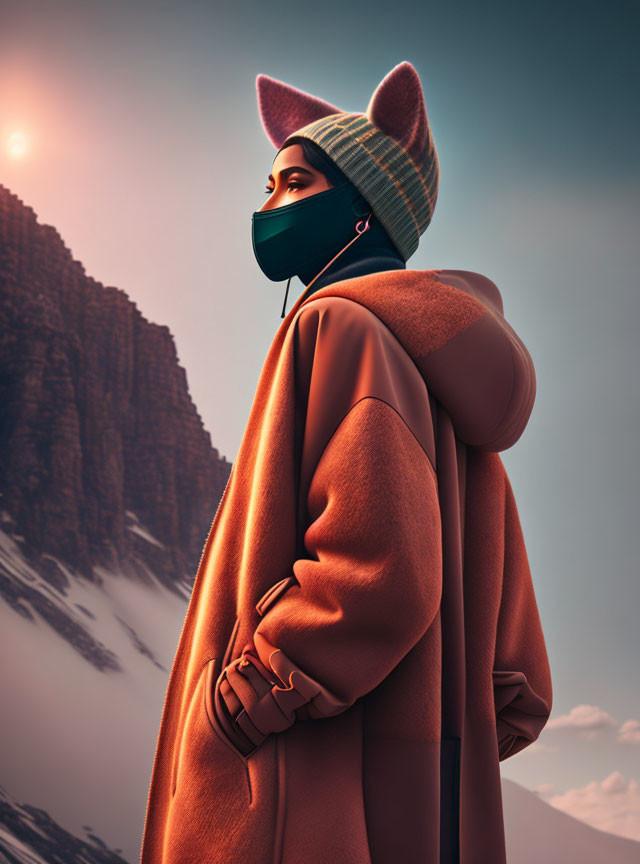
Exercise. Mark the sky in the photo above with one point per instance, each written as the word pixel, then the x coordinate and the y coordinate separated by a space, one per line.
pixel 141 142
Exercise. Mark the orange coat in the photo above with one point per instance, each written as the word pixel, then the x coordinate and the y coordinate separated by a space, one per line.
pixel 362 645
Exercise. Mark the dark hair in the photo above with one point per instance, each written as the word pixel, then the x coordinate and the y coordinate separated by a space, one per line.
pixel 318 159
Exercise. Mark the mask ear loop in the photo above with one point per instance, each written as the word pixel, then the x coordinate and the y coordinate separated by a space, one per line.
pixel 359 231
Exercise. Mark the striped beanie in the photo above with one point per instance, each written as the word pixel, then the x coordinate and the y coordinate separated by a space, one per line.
pixel 388 153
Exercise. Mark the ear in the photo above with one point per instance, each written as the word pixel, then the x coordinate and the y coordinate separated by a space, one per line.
pixel 285 109
pixel 397 107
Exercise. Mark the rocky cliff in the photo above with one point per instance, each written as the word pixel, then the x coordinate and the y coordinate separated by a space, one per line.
pixel 104 458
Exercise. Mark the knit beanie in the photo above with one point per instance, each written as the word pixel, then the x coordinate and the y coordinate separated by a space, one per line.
pixel 388 153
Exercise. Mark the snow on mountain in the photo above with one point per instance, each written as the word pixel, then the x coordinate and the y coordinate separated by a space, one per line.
pixel 78 737
pixel 28 835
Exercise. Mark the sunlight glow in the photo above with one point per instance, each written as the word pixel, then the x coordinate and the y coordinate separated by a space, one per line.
pixel 17 145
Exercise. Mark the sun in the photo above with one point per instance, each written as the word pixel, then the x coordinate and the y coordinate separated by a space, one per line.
pixel 17 145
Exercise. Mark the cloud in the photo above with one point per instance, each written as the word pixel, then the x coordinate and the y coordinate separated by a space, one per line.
pixel 585 720
pixel 545 790
pixel 611 805
pixel 630 731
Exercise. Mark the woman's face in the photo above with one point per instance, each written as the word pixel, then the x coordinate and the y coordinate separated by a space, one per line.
pixel 292 178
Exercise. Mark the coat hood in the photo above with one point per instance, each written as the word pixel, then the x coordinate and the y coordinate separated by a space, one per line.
pixel 452 324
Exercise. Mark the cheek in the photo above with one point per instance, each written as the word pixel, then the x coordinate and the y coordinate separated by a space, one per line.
pixel 311 189
pixel 321 184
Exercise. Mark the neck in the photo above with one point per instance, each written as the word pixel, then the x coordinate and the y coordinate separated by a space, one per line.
pixel 370 253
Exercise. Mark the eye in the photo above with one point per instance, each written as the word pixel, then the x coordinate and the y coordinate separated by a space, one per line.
pixel 295 184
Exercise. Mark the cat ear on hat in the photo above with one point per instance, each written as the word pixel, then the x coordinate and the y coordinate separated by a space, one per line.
pixel 285 109
pixel 397 107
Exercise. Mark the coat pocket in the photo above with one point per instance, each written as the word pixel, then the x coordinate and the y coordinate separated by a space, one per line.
pixel 192 726
pixel 202 762
pixel 197 715
pixel 273 593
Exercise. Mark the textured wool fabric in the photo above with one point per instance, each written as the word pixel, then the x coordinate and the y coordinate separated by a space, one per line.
pixel 388 152
pixel 362 645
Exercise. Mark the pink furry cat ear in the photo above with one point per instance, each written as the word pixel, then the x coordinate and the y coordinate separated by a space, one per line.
pixel 285 109
pixel 397 107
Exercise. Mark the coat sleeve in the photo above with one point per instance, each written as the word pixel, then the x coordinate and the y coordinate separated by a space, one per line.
pixel 367 592
pixel 521 672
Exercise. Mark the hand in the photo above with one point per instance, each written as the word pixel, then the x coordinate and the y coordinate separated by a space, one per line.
pixel 249 650
pixel 242 694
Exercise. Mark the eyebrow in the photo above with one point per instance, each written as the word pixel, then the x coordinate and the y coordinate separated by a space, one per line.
pixel 286 171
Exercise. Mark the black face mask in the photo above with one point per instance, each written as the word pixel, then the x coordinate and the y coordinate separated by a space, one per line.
pixel 288 240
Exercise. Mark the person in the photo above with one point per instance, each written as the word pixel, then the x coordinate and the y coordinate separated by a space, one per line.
pixel 362 646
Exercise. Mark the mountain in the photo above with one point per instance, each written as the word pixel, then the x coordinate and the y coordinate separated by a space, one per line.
pixel 28 835
pixel 77 738
pixel 537 832
pixel 97 421
pixel 108 486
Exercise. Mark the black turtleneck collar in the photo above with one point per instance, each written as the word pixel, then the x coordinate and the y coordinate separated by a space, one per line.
pixel 373 251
